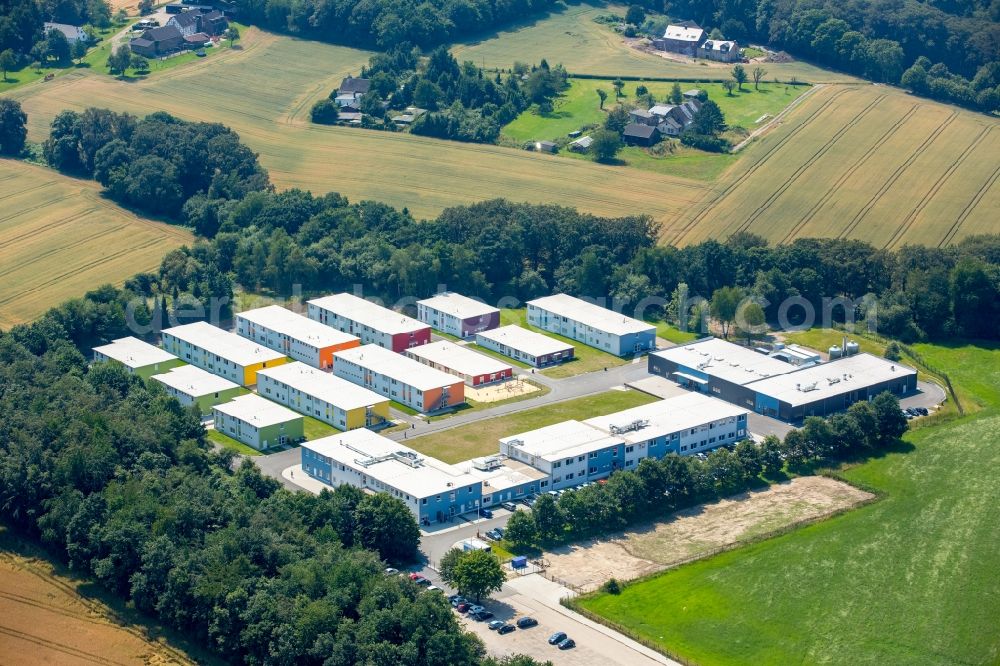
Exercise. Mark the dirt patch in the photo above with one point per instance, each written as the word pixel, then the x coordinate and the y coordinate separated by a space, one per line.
pixel 699 531
pixel 45 620
pixel 512 388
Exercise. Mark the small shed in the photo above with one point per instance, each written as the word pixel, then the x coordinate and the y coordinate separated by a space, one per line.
pixel 519 562
pixel 581 145
pixel 640 135
pixel 694 93
pixel 546 147
pixel 574 134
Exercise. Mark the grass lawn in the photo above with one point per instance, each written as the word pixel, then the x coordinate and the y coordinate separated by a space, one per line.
pixel 315 429
pixel 227 442
pixel 481 438
pixel 910 579
pixel 586 358
pixel 674 334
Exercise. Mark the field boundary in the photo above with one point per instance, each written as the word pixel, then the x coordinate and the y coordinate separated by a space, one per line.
pixel 969 207
pixel 777 119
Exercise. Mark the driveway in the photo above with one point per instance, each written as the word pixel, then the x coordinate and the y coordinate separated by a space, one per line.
pixel 928 395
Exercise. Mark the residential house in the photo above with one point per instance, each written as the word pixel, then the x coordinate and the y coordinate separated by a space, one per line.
pixel 591 324
pixel 525 346
pixel 73 33
pixel 258 423
pixel 138 357
pixel 643 117
pixel 640 135
pixel 694 93
pixel 684 38
pixel 158 42
pixel 722 51
pixel 399 378
pixel 351 91
pixel 457 315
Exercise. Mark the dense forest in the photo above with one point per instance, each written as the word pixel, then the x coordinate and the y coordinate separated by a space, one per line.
pixel 463 102
pixel 386 23
pixel 956 43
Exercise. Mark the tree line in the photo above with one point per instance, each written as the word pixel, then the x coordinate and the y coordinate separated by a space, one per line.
pixel 22 29
pixel 657 487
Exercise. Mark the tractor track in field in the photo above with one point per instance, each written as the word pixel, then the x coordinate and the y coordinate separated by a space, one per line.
pixel 908 221
pixel 806 164
pixel 845 176
pixel 32 209
pixel 62 248
pixel 969 207
pixel 736 182
pixel 861 214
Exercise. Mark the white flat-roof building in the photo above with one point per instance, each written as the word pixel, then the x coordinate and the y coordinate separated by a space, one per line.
pixel 797 355
pixel 330 399
pixel 221 352
pixel 190 384
pixel 139 358
pixel 294 335
pixel 399 378
pixel 591 324
pixel 475 369
pixel 503 479
pixel 258 423
pixel 569 453
pixel 372 323
pixel 526 346
pixel 457 315
pixel 433 491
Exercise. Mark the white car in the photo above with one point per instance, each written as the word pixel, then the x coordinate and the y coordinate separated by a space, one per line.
pixel 434 587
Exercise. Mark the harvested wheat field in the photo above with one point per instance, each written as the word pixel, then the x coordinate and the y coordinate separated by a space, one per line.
pixel 865 162
pixel 700 531
pixel 60 238
pixel 44 619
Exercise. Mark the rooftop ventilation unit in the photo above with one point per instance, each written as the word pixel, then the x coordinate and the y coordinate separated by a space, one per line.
pixel 487 464
pixel 638 424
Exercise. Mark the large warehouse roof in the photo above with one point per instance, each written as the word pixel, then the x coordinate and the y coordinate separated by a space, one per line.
pixel 529 342
pixel 134 353
pixel 296 326
pixel 458 358
pixel 458 305
pixel 851 373
pixel 591 315
pixel 562 440
pixel 643 423
pixel 322 385
pixel 368 314
pixel 223 344
pixel 726 361
pixel 391 463
pixel 396 366
pixel 257 411
pixel 193 381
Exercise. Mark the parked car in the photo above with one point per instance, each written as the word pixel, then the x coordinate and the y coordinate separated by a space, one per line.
pixel 495 624
pixel 200 53
pixel 455 599
pixel 557 638
pixel 476 609
pixel 434 587
pixel 481 616
pixel 424 581
pixel 567 644
pixel 390 571
pixel 495 534
pixel 510 506
pixel 485 513
pixel 463 607
pixel 415 575
pixel 498 531
pixel 505 629
pixel 526 622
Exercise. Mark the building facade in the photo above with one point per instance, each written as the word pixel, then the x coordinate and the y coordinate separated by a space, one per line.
pixel 591 324
pixel 220 352
pixel 258 423
pixel 433 491
pixel 526 346
pixel 719 50
pixel 399 378
pixel 192 385
pixel 457 315
pixel 370 322
pixel 138 357
pixel 294 335
pixel 330 399
pixel 473 368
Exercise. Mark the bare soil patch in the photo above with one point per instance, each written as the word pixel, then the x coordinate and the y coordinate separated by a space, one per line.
pixel 700 531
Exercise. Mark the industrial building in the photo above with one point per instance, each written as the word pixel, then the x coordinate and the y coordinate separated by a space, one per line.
pixel 399 378
pixel 591 324
pixel 787 390
pixel 574 452
pixel 258 423
pixel 221 352
pixel 796 355
pixel 138 357
pixel 526 346
pixel 372 323
pixel 330 399
pixel 504 480
pixel 433 491
pixel 294 335
pixel 823 389
pixel 475 369
pixel 192 385
pixel 457 315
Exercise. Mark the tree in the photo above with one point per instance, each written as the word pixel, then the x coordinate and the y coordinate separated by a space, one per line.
pixel 79 49
pixel 325 112
pixel 606 145
pixel 121 16
pixel 729 84
pixel 617 119
pixel 618 85
pixel 138 63
pixel 232 33
pixel 99 13
pixel 446 567
pixel 725 304
pixel 603 95
pixel 13 128
pixel 753 318
pixel 8 61
pixel 740 75
pixel 521 531
pixel 120 59
pixel 635 15
pixel 385 524
pixel 758 74
pixel 548 519
pixel 676 96
pixel 57 46
pixel 475 572
pixel 709 119
pixel 426 95
pixel 890 418
pixel 893 352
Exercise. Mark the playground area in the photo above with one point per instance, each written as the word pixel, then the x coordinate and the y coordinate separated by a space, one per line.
pixel 512 388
